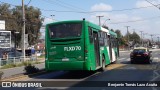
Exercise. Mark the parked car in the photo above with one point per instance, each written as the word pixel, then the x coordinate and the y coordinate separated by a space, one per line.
pixel 154 46
pixel 12 54
pixel 141 55
pixel 39 52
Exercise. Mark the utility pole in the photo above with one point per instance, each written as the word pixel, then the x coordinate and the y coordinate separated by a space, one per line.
pixel 99 17
pixel 151 38
pixel 141 38
pixel 128 37
pixel 144 43
pixel 158 40
pixel 23 30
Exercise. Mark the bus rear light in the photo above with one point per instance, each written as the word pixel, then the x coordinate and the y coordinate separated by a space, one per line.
pixel 86 51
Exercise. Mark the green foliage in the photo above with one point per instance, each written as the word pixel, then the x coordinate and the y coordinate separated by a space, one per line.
pixel 135 37
pixel 119 34
pixel 31 69
pixel 106 27
pixel 120 37
pixel 26 63
pixel 112 30
pixel 1 73
pixel 132 37
pixel 13 20
pixel 8 66
pixel 42 56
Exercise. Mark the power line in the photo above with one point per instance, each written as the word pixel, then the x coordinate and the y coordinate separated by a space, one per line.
pixel 73 11
pixel 58 4
pixel 153 4
pixel 136 20
pixel 71 5
pixel 97 11
pixel 8 3
pixel 29 2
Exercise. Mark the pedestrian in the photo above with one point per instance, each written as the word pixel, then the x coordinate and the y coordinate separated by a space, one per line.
pixel 5 56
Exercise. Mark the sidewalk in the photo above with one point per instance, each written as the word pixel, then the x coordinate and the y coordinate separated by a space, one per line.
pixel 20 70
pixel 125 51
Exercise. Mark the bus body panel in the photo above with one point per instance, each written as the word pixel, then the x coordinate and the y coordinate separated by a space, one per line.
pixel 77 53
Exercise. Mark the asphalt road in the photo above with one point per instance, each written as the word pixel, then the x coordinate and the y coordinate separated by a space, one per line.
pixel 119 72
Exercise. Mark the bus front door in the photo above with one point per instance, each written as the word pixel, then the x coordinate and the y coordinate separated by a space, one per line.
pixel 96 48
pixel 110 48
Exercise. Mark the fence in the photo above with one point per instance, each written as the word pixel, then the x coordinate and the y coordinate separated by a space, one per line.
pixel 16 60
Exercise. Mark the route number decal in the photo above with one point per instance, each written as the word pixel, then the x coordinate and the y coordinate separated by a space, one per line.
pixel 72 48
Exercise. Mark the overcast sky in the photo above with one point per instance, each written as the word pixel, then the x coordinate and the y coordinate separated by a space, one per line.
pixel 138 14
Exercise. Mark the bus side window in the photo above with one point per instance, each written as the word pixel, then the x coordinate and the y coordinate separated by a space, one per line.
pixel 105 40
pixel 90 34
pixel 101 38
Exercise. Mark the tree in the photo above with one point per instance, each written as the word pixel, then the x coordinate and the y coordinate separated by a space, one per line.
pixel 6 14
pixel 112 30
pixel 120 37
pixel 33 22
pixel 13 20
pixel 106 27
pixel 119 34
pixel 135 37
pixel 126 36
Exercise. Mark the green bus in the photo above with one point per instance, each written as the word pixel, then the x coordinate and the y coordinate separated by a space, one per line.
pixel 79 45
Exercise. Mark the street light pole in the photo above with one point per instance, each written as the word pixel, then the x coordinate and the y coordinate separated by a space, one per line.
pixel 144 38
pixel 23 30
pixel 15 44
pixel 158 40
pixel 141 38
pixel 128 37
pixel 151 38
pixel 105 22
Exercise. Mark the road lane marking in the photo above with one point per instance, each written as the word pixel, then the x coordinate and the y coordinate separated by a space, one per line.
pixel 114 66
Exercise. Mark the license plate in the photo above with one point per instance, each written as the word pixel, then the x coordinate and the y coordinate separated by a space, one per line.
pixel 65 59
pixel 138 55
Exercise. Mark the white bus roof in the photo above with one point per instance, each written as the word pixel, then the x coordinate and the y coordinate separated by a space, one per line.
pixel 105 30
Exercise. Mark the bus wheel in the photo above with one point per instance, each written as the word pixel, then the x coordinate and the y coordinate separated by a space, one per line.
pixel 103 64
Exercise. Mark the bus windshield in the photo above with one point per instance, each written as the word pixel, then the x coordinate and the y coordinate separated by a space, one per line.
pixel 65 30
